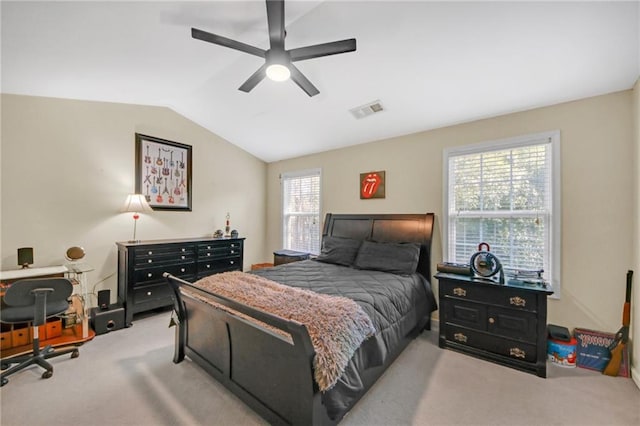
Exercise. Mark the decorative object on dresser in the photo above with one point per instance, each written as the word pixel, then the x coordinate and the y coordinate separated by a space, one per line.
pixel 287 256
pixel 506 324
pixel 141 286
pixel 135 203
pixel 163 173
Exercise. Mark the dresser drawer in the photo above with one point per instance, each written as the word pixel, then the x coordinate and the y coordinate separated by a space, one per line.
pixel 512 323
pixel 505 347
pixel 161 250
pixel 488 293
pixel 208 267
pixel 218 251
pixel 150 293
pixel 154 274
pixel 164 259
pixel 468 314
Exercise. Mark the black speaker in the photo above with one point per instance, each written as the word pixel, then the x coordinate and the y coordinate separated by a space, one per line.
pixel 106 320
pixel 104 298
pixel 25 256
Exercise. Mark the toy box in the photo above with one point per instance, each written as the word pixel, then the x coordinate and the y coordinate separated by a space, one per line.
pixel 593 350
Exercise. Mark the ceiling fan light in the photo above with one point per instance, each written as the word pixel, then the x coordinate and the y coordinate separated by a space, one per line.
pixel 278 72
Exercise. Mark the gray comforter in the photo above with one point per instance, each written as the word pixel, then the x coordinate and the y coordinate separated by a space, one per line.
pixel 397 305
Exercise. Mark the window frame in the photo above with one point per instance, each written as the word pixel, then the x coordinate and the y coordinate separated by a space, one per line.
pixel 554 242
pixel 283 216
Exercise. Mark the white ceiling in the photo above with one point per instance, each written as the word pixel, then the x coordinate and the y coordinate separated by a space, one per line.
pixel 431 64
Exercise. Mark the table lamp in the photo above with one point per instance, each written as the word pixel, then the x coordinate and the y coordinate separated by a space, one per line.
pixel 136 203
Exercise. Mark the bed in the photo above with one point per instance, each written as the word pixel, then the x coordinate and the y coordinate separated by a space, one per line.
pixel 244 349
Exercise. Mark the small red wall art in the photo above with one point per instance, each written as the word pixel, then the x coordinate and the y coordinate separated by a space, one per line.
pixel 372 185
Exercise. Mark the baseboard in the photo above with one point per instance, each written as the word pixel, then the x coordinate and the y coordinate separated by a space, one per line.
pixel 635 375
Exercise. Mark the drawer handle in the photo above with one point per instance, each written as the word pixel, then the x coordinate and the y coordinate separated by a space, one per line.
pixel 183 250
pixel 183 257
pixel 517 352
pixel 150 260
pixel 148 293
pixel 459 291
pixel 231 262
pixel 149 275
pixel 233 245
pixel 491 321
pixel 460 337
pixel 182 269
pixel 232 252
pixel 517 301
pixel 208 266
pixel 208 254
pixel 150 252
pixel 208 247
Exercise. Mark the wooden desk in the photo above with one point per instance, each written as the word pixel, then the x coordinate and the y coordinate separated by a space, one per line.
pixel 8 277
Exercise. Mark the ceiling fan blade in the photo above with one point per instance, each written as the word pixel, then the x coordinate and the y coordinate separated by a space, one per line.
pixel 226 42
pixel 255 78
pixel 275 20
pixel 324 49
pixel 302 81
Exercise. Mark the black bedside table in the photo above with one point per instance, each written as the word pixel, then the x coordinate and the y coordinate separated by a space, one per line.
pixel 503 323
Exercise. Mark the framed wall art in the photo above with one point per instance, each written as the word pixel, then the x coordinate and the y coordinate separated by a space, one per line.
pixel 163 173
pixel 372 185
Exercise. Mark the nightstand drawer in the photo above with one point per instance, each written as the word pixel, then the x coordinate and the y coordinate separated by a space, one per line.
pixel 490 293
pixel 505 347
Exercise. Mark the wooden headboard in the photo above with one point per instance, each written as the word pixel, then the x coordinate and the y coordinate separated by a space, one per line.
pixel 396 228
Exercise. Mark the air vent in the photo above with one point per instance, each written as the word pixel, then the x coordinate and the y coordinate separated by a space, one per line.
pixel 367 109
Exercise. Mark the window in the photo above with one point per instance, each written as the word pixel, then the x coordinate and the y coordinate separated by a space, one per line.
pixel 505 193
pixel 301 211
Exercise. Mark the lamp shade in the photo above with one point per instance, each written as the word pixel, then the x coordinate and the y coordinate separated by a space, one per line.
pixel 136 203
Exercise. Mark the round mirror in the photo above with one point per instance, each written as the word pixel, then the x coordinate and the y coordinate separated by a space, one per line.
pixel 74 253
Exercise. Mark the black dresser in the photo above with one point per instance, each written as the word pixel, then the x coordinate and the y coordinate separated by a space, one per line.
pixel 506 324
pixel 141 286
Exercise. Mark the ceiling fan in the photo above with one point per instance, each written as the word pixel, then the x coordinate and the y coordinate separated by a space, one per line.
pixel 278 64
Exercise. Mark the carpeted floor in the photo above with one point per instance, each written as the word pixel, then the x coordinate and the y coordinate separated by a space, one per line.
pixel 126 377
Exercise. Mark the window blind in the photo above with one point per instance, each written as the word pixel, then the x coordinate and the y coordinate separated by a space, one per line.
pixel 504 194
pixel 301 211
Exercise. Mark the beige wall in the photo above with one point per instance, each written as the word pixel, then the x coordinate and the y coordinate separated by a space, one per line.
pixel 597 218
pixel 68 165
pixel 635 264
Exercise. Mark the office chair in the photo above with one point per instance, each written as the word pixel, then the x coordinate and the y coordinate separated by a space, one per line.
pixel 35 300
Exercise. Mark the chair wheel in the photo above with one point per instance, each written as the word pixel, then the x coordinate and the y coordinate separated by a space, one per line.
pixel 47 374
pixel 4 381
pixel 75 354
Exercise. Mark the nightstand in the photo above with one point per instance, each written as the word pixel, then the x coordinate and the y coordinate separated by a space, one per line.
pixel 506 324
pixel 288 256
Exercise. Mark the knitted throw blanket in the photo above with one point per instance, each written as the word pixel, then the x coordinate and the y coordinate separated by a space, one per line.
pixel 336 325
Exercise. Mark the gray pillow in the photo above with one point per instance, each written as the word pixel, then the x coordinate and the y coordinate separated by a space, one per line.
pixel 340 251
pixel 397 258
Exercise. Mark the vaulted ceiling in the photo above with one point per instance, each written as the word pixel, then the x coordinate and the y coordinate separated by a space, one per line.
pixel 430 64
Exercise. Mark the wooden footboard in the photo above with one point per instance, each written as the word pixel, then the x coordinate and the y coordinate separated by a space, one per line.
pixel 265 370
